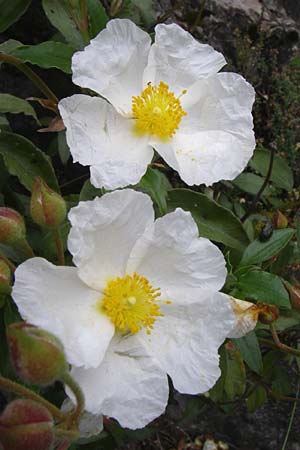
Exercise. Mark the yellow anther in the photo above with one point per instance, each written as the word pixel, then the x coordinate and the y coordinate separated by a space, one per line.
pixel 157 111
pixel 131 303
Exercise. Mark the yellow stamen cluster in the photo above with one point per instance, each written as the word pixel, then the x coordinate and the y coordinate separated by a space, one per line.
pixel 131 303
pixel 157 111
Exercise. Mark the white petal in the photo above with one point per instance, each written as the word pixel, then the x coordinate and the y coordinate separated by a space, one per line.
pixel 215 140
pixel 179 60
pixel 100 137
pixel 104 232
pixel 246 315
pixel 187 338
pixel 55 299
pixel 129 385
pixel 175 259
pixel 113 63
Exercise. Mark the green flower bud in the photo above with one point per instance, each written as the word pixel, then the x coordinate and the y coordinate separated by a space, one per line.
pixel 36 355
pixel 47 207
pixel 26 425
pixel 5 278
pixel 12 226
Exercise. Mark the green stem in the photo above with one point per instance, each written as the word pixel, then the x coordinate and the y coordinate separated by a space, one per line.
pixel 69 381
pixel 40 84
pixel 84 25
pixel 291 419
pixel 70 435
pixel 59 247
pixel 18 389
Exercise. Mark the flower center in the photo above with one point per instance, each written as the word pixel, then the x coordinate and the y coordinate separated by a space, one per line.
pixel 157 111
pixel 131 303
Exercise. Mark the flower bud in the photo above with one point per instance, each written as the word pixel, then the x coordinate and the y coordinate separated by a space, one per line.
pixel 279 219
pixel 12 226
pixel 26 425
pixel 5 278
pixel 36 355
pixel 294 293
pixel 267 313
pixel 47 207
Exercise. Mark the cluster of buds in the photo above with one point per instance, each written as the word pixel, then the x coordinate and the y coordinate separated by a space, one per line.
pixel 27 425
pixel 36 355
pixel 12 227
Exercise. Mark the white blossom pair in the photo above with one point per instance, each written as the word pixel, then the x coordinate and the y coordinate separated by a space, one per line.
pixel 167 96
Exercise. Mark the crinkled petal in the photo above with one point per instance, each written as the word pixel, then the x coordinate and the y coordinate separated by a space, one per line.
pixel 55 299
pixel 104 232
pixel 100 137
pixel 89 424
pixel 177 59
pixel 215 140
pixel 113 63
pixel 186 340
pixel 246 315
pixel 172 257
pixel 129 385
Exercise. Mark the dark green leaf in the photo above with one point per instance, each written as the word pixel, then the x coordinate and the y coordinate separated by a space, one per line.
pixel 47 55
pixel 256 399
pixel 265 287
pixel 9 46
pixel 11 11
pixel 23 159
pixel 249 349
pixel 214 222
pixel 15 105
pixel 281 174
pixel 60 19
pixel 258 251
pixel 89 192
pixel 251 183
pixel 63 148
pixel 156 184
pixel 97 17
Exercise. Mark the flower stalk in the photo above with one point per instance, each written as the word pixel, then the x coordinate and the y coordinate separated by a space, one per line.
pixel 59 247
pixel 69 381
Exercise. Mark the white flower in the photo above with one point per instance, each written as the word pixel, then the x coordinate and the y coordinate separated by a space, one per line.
pixel 141 303
pixel 168 96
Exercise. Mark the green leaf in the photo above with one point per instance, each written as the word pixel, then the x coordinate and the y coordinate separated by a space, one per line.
pixel 251 183
pixel 214 221
pixel 157 185
pixel 60 19
pixel 23 159
pixel 258 252
pixel 97 17
pixel 47 55
pixel 89 192
pixel 248 347
pixel 15 105
pixel 281 174
pixel 11 11
pixel 63 148
pixel 256 399
pixel 9 46
pixel 265 287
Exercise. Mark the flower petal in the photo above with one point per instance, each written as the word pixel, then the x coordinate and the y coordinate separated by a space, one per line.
pixel 100 137
pixel 89 424
pixel 175 259
pixel 113 63
pixel 246 316
pixel 104 232
pixel 55 299
pixel 177 59
pixel 129 385
pixel 215 140
pixel 186 340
